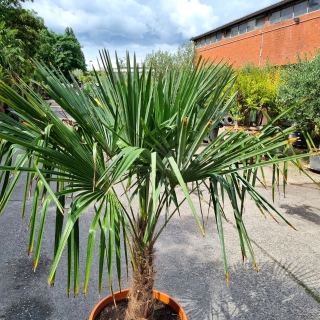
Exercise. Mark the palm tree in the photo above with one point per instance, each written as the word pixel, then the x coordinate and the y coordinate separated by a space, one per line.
pixel 135 136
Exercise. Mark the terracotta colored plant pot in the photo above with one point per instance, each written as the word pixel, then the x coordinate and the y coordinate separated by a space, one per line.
pixel 124 294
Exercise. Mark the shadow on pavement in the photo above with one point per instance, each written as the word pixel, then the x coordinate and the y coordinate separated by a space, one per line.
pixel 303 211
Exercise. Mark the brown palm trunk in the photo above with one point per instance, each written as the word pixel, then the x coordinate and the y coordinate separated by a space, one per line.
pixel 141 302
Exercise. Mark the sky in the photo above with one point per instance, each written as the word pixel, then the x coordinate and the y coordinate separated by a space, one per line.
pixel 140 26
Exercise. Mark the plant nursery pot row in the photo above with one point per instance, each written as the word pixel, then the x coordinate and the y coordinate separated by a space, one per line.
pixel 121 295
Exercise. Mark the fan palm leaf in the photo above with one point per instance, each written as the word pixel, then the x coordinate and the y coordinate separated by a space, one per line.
pixel 141 134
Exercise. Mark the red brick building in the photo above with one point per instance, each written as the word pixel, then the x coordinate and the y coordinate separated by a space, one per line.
pixel 274 34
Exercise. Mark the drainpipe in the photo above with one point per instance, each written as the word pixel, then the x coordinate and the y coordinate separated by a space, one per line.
pixel 261 47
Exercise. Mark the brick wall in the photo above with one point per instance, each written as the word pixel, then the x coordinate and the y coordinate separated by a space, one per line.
pixel 277 43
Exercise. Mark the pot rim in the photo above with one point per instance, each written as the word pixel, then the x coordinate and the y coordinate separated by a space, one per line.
pixel 119 295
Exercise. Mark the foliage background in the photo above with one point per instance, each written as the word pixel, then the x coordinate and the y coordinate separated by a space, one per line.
pixel 257 88
pixel 301 91
pixel 23 35
pixel 161 61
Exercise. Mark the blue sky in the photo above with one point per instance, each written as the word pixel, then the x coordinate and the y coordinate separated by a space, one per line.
pixel 139 26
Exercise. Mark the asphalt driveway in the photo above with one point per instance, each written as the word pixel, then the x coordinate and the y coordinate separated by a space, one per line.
pixel 189 267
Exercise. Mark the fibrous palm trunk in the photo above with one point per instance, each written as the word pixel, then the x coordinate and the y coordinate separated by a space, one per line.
pixel 141 301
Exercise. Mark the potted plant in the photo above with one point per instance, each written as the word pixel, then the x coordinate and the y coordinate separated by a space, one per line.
pixel 256 89
pixel 135 139
pixel 300 92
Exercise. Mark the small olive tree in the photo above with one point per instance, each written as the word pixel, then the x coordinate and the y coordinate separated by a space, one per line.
pixel 301 90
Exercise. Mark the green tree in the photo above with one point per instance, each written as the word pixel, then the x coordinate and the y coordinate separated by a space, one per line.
pixel 300 91
pixel 160 60
pixel 185 54
pixel 12 3
pixel 63 51
pixel 47 51
pixel 69 32
pixel 11 52
pixel 69 55
pixel 134 142
pixel 28 24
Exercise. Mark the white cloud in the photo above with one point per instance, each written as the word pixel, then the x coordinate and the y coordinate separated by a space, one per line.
pixel 192 17
pixel 139 25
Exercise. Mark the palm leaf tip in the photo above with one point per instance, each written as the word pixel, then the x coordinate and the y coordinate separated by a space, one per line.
pixel 85 289
pixel 35 265
pixel 290 225
pixel 50 282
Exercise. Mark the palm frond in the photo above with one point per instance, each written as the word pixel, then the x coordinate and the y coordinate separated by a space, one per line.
pixel 139 133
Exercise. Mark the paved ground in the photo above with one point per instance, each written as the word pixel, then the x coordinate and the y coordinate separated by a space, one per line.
pixel 58 110
pixel 188 266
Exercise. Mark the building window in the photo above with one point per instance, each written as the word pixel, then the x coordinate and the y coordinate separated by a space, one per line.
pixel 251 25
pixel 300 8
pixel 227 33
pixel 275 17
pixel 282 15
pixel 242 28
pixel 234 31
pixel 314 5
pixel 286 13
pixel 208 40
pixel 260 22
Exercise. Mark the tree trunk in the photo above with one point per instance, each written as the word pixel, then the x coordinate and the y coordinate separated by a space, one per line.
pixel 141 301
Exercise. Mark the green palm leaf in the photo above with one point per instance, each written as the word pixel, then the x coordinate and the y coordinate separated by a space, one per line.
pixel 135 139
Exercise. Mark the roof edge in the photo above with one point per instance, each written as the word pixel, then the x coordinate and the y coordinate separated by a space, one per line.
pixel 251 15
